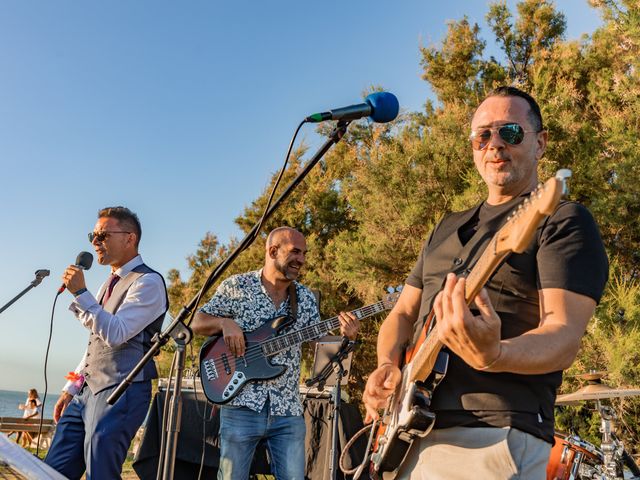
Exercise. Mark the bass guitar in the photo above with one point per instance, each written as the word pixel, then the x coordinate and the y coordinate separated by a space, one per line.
pixel 407 415
pixel 223 375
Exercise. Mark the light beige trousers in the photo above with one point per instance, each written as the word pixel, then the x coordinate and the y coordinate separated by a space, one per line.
pixel 461 453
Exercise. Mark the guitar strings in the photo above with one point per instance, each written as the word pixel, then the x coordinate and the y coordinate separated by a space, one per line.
pixel 256 351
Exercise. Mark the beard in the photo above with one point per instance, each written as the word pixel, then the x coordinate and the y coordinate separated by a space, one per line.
pixel 501 179
pixel 286 270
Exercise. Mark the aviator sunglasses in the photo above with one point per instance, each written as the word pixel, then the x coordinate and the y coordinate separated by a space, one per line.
pixel 511 133
pixel 101 236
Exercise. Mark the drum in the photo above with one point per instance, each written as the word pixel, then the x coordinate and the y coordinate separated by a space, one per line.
pixel 572 458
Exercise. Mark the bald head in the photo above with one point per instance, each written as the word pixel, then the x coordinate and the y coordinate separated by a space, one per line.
pixel 282 234
pixel 285 253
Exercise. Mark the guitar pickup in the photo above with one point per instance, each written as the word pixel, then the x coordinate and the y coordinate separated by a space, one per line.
pixel 225 363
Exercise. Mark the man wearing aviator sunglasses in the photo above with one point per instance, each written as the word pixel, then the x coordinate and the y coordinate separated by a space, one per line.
pixel 122 318
pixel 511 133
pixel 102 236
pixel 494 407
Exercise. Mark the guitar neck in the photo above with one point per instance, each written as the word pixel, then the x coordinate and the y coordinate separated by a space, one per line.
pixel 426 356
pixel 482 270
pixel 317 330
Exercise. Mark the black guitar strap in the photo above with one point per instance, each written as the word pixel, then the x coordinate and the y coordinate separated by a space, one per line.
pixel 468 254
pixel 293 302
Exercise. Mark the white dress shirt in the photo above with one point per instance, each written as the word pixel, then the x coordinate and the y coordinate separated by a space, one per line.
pixel 144 303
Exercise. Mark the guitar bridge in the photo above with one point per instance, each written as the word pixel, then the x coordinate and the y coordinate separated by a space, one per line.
pixel 210 370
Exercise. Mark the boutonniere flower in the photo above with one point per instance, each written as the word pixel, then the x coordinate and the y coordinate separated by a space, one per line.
pixel 76 378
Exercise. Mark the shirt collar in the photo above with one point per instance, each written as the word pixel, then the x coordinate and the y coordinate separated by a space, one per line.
pixel 129 266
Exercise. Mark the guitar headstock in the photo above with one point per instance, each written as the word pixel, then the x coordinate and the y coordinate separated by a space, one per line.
pixel 522 223
pixel 391 297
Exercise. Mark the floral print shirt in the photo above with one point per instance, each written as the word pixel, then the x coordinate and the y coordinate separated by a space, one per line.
pixel 244 298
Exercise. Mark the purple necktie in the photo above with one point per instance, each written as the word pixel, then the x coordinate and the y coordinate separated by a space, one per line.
pixel 113 279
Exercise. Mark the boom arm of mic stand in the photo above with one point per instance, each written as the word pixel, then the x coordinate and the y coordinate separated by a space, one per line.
pixel 335 136
pixel 40 274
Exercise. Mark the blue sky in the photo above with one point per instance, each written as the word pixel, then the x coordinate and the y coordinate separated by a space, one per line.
pixel 180 111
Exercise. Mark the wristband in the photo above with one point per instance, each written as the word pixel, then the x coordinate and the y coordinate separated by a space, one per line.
pixel 79 292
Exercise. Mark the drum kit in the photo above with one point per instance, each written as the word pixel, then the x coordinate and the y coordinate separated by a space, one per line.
pixel 572 458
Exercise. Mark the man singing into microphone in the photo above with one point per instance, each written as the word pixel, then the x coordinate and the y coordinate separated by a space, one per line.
pixel 128 310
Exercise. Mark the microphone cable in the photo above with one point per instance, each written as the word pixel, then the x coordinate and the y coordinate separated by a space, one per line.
pixel 275 186
pixel 204 423
pixel 206 285
pixel 46 384
pixel 163 424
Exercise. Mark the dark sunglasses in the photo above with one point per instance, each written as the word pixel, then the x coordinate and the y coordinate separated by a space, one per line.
pixel 101 236
pixel 511 133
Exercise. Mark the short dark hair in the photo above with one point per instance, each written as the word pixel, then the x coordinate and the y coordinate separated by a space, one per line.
pixel 124 216
pixel 535 116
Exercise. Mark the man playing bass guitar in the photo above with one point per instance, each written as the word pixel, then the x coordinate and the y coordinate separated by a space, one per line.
pixel 494 407
pixel 268 409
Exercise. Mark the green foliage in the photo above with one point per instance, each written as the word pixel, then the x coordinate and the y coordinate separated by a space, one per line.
pixel 538 29
pixel 368 206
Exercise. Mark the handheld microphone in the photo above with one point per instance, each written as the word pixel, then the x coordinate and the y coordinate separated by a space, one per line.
pixel 381 107
pixel 84 260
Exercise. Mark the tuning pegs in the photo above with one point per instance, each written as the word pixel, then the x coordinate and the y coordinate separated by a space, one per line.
pixel 563 174
pixel 391 289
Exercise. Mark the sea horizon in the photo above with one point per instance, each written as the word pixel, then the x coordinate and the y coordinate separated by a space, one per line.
pixel 10 399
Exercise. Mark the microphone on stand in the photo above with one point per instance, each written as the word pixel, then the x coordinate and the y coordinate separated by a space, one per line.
pixel 84 260
pixel 381 107
pixel 40 274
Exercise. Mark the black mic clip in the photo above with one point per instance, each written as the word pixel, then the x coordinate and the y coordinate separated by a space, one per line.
pixel 40 274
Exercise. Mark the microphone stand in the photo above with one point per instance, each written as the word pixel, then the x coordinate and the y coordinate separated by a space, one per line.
pixel 334 365
pixel 183 333
pixel 40 274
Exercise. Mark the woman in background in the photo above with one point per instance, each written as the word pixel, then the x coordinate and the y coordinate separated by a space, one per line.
pixel 31 409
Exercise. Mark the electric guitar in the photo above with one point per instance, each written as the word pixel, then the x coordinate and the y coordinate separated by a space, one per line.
pixel 223 375
pixel 407 415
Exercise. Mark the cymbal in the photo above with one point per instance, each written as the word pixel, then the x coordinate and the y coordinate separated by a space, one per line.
pixel 595 391
pixel 592 375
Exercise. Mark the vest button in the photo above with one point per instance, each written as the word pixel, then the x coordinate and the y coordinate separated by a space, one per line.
pixel 457 261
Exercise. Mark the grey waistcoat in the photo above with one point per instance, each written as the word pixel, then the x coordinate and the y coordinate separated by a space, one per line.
pixel 106 366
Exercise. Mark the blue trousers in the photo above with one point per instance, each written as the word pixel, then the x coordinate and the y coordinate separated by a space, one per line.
pixel 95 436
pixel 240 431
